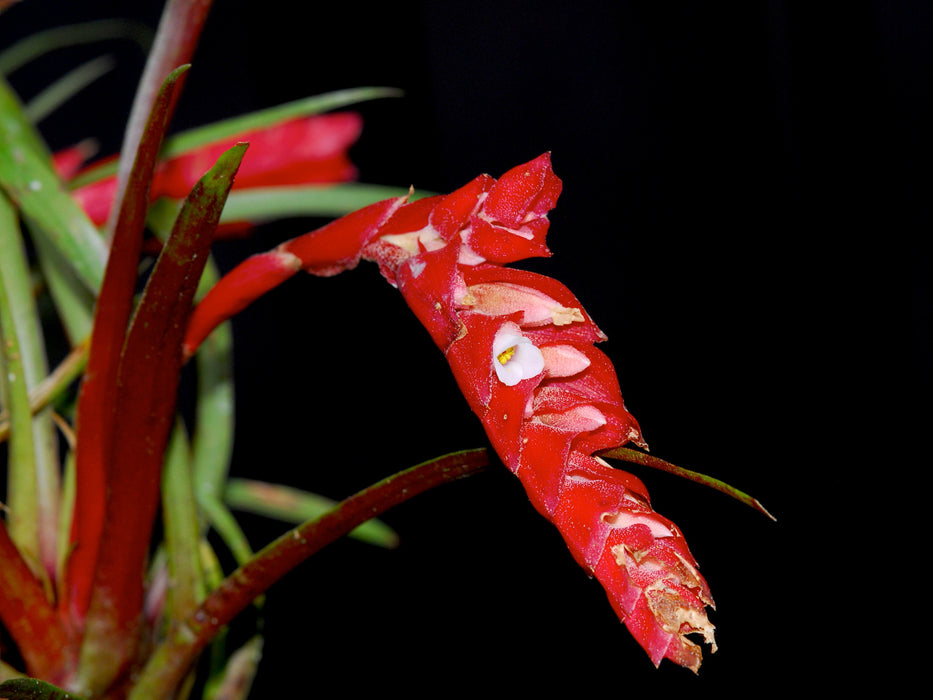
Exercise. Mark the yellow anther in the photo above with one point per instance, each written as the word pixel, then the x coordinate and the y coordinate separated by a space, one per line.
pixel 506 355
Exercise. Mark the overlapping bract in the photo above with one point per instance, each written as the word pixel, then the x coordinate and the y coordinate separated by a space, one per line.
pixel 521 347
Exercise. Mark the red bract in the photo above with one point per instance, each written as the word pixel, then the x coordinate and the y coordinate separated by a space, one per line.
pixel 296 152
pixel 521 347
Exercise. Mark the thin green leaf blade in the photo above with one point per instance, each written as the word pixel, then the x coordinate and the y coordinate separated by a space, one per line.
pixel 21 477
pixel 33 689
pixel 182 530
pixel 635 457
pixel 295 506
pixel 66 87
pixel 257 204
pixel 235 126
pixel 73 299
pixel 171 660
pixel 212 442
pixel 40 43
pixel 33 472
pixel 27 176
pixel 14 124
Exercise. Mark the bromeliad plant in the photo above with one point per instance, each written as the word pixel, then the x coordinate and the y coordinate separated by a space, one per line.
pixel 91 607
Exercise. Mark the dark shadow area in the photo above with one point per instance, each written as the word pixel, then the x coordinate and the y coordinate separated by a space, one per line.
pixel 746 193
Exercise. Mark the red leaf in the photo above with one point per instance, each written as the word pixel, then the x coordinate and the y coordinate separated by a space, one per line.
pixel 149 370
pixel 97 398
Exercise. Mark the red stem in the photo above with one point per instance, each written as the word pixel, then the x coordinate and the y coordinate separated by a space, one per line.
pixel 96 402
pixel 176 39
pixel 171 661
pixel 635 457
pixel 29 617
pixel 150 365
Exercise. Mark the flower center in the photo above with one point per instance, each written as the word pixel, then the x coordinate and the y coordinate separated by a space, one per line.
pixel 515 357
pixel 506 355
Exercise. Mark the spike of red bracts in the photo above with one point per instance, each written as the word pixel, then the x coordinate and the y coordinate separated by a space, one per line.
pixel 299 151
pixel 521 347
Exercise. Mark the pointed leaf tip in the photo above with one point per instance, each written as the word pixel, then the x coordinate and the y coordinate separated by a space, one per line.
pixel 627 454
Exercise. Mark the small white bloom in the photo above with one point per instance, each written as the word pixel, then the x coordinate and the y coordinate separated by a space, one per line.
pixel 514 356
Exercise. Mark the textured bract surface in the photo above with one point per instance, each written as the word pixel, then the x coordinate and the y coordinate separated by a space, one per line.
pixel 522 349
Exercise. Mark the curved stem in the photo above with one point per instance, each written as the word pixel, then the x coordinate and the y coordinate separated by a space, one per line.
pixel 29 617
pixel 171 661
pixel 635 457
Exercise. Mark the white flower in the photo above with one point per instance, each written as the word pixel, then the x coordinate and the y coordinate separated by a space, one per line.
pixel 514 356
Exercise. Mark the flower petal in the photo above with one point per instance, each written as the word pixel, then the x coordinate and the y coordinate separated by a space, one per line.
pixel 514 357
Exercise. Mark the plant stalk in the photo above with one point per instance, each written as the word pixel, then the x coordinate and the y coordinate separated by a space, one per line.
pixel 171 660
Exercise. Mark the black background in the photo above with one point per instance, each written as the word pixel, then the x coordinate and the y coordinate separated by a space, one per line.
pixel 745 202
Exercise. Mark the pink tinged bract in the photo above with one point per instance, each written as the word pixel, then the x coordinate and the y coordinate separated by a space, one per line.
pixel 306 150
pixel 298 151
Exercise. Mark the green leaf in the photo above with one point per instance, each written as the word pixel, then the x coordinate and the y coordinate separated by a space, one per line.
pixel 233 127
pixel 182 531
pixel 212 442
pixel 40 43
pixel 257 204
pixel 150 366
pixel 33 473
pixel 71 258
pixel 262 204
pixel 172 658
pixel 635 457
pixel 33 689
pixel 67 512
pixel 292 505
pixel 21 477
pixel 73 299
pixel 14 124
pixel 66 87
pixel 27 176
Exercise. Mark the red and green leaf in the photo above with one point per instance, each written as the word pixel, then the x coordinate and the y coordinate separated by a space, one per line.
pixel 184 642
pixel 146 390
pixel 98 395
